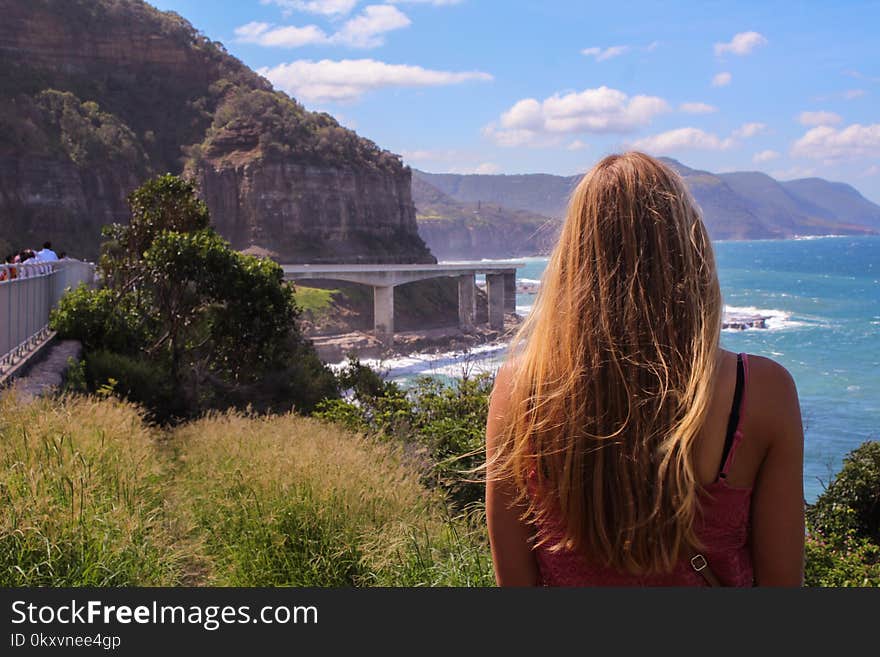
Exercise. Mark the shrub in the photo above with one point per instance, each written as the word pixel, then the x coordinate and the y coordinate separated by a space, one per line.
pixel 100 319
pixel 846 561
pixel 135 379
pixel 851 503
pixel 446 421
pixel 843 545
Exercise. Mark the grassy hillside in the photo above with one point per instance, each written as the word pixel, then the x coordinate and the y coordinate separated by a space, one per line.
pixel 92 496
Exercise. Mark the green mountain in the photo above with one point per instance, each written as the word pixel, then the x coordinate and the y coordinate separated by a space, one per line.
pixel 462 230
pixel 838 199
pixel 743 205
pixel 97 95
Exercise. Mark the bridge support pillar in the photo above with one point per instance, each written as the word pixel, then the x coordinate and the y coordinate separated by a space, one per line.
pixel 383 313
pixel 510 292
pixel 467 302
pixel 495 291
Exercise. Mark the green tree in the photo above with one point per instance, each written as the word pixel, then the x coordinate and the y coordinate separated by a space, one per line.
pixel 218 326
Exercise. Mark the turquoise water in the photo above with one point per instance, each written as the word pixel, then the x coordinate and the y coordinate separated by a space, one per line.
pixel 823 299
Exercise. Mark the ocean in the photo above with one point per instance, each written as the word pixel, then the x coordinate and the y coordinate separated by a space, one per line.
pixel 822 297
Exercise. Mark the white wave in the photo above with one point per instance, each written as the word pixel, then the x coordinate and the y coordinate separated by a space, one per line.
pixel 530 281
pixel 776 319
pixel 522 311
pixel 482 358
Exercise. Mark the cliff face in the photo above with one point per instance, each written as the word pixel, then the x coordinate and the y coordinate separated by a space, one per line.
pixel 310 213
pixel 43 198
pixel 98 95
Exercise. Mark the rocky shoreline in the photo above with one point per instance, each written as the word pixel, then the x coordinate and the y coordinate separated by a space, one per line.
pixel 365 345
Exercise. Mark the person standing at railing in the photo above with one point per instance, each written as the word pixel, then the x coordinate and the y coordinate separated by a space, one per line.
pixel 9 272
pixel 46 254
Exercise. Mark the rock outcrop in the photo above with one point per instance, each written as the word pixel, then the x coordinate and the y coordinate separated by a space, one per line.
pixel 309 213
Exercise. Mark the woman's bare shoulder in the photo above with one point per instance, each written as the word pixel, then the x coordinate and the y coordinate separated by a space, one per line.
pixel 503 383
pixel 770 377
pixel 772 399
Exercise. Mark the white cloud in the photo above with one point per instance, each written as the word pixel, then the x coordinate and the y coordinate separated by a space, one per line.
pixel 349 79
pixel 852 94
pixel 819 118
pixel 741 44
pixel 793 172
pixel 858 75
pixel 682 139
pixel 264 34
pixel 722 79
pixel 600 110
pixel 697 108
pixel 487 168
pixel 577 145
pixel 484 169
pixel 423 155
pixel 828 143
pixel 765 156
pixel 322 7
pixel 602 54
pixel 450 161
pixel 872 170
pixel 747 130
pixel 367 30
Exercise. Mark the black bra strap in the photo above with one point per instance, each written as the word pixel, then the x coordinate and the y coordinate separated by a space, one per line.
pixel 733 421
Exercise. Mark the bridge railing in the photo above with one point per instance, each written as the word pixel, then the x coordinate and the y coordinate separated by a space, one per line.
pixel 28 292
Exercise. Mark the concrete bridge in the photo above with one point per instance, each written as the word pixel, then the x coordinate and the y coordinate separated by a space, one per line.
pixel 500 287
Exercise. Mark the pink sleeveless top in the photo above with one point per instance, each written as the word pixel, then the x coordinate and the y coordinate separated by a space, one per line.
pixel 722 526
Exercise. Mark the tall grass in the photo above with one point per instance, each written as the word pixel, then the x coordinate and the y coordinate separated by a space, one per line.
pixel 288 500
pixel 81 496
pixel 91 495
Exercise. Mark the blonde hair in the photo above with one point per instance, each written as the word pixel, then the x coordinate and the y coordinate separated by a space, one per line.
pixel 612 371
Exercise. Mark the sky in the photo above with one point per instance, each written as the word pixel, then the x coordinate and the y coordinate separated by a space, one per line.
pixel 544 86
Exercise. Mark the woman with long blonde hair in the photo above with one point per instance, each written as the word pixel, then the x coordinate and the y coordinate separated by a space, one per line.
pixel 624 445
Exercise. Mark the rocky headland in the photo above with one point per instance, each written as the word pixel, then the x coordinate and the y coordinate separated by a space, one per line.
pixel 98 95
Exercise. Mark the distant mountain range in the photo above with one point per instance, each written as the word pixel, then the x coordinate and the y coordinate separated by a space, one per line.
pixel 513 215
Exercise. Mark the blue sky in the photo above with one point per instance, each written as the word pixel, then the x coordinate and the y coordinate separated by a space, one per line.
pixel 543 86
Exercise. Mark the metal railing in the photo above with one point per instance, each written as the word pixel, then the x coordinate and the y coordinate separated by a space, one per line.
pixel 28 291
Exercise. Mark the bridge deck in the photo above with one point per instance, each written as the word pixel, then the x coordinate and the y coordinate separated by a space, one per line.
pixel 500 279
pixel 495 267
